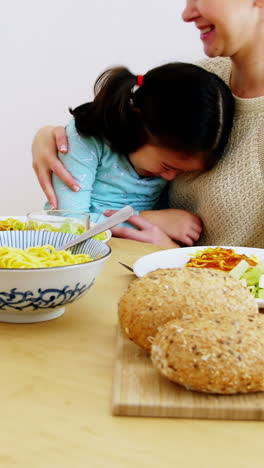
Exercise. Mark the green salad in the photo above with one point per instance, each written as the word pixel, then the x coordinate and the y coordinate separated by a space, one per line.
pixel 70 228
pixel 12 224
pixel 252 277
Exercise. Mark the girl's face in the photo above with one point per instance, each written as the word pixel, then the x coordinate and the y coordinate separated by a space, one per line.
pixel 226 26
pixel 154 161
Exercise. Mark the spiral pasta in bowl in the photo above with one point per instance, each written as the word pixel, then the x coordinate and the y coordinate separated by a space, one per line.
pixel 37 281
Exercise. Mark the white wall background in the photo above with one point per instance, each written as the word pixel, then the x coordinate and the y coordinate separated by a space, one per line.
pixel 51 53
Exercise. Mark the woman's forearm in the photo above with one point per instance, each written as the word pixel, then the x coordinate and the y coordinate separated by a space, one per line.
pixel 47 141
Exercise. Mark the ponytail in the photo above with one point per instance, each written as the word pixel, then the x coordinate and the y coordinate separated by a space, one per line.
pixel 111 115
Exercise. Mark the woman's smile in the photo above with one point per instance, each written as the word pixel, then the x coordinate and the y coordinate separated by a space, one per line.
pixel 206 32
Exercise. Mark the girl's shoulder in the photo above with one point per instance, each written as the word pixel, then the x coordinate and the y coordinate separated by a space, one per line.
pixel 83 143
pixel 221 66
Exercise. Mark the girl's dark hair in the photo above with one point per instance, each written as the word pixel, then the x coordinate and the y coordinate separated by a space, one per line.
pixel 179 106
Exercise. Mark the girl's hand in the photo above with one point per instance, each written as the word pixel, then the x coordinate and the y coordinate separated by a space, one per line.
pixel 179 225
pixel 146 232
pixel 46 144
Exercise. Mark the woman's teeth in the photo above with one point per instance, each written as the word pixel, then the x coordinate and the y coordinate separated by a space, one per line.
pixel 207 30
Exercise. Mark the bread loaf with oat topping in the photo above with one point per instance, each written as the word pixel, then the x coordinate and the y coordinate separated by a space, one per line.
pixel 220 354
pixel 167 294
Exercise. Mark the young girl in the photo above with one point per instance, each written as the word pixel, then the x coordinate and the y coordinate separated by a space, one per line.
pixel 141 132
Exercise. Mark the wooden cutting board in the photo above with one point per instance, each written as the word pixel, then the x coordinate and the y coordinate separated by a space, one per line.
pixel 138 390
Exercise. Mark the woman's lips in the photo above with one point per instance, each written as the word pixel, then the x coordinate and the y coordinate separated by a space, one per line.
pixel 205 32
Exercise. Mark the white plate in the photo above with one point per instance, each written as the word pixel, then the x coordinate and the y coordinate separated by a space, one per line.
pixel 175 258
pixel 23 219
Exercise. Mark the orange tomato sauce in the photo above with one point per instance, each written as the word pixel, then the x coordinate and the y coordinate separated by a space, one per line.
pixel 219 259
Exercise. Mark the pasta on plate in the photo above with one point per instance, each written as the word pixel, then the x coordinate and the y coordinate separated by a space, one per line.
pixel 219 259
pixel 11 224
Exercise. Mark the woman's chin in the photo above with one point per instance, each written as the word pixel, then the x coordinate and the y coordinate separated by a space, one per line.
pixel 212 53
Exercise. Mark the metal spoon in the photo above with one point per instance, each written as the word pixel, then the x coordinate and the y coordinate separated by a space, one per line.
pixel 119 217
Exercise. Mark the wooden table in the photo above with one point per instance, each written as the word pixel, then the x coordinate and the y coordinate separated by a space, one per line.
pixel 56 380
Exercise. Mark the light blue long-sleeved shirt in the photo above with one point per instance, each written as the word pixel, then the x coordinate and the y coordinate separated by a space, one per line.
pixel 107 180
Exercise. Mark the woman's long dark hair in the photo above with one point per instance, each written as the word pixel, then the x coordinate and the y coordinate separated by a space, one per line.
pixel 180 106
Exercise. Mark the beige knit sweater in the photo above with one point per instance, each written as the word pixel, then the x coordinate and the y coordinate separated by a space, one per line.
pixel 230 197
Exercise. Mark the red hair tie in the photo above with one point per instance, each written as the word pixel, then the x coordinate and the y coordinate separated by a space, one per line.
pixel 140 80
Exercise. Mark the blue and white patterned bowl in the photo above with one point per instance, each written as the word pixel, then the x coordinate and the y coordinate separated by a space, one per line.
pixel 40 294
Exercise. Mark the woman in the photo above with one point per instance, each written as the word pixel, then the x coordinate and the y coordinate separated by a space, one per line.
pixel 228 198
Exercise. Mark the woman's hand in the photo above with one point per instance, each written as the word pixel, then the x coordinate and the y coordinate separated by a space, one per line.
pixel 146 232
pixel 179 225
pixel 46 144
